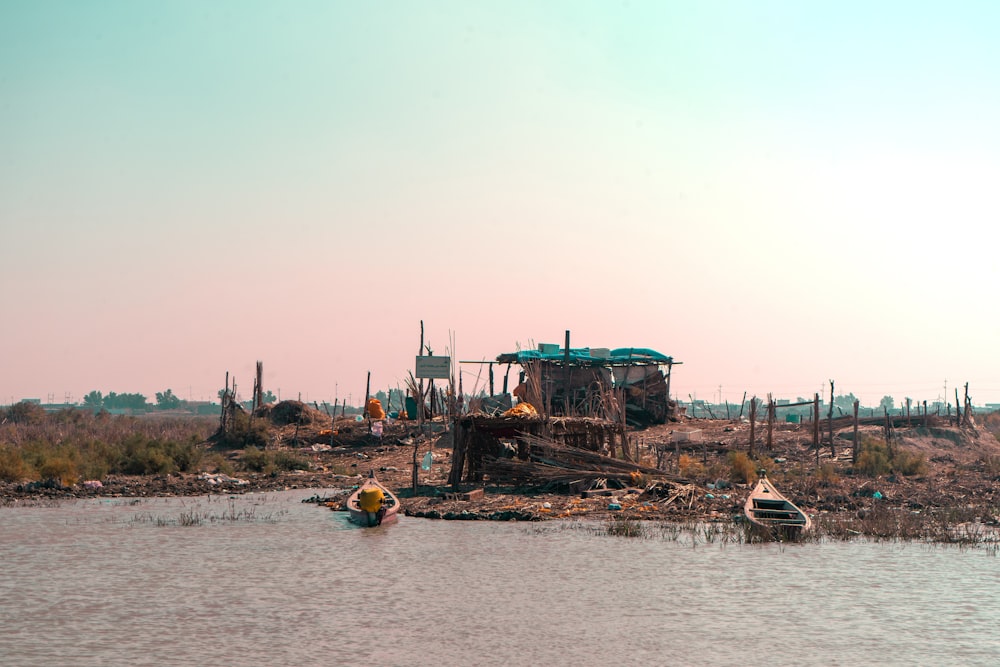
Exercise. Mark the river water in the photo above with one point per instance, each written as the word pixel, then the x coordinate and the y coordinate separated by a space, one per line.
pixel 264 579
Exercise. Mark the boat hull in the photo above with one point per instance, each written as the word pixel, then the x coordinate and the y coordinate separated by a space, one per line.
pixel 388 513
pixel 772 516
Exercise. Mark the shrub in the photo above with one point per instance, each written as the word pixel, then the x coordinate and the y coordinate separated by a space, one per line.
pixel 909 463
pixel 26 413
pixel 216 463
pixel 289 461
pixel 873 457
pixel 827 473
pixel 244 432
pixel 59 468
pixel 689 467
pixel 13 468
pixel 255 460
pixel 742 469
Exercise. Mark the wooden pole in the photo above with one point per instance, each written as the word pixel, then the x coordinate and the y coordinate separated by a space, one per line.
pixel 958 410
pixel 816 425
pixel 420 386
pixel 566 375
pixel 259 394
pixel 854 454
pixel 368 389
pixel 770 422
pixel 829 418
pixel 753 424
pixel 968 406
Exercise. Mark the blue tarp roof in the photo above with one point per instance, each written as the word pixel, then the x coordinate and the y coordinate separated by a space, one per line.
pixel 581 356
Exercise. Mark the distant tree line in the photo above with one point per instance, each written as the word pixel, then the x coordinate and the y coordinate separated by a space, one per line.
pixel 165 400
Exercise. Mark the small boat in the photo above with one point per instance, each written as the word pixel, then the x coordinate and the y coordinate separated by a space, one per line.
pixel 372 504
pixel 772 515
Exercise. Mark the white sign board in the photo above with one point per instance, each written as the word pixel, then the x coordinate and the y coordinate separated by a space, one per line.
pixel 434 367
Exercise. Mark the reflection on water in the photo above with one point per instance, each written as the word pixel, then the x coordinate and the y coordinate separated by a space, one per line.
pixel 264 579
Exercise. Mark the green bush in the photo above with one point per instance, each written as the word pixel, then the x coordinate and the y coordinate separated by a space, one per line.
pixel 255 460
pixel 60 468
pixel 742 469
pixel 244 432
pixel 875 458
pixel 909 463
pixel 284 460
pixel 13 467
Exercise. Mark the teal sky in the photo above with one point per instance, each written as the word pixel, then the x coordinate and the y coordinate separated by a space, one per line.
pixel 775 193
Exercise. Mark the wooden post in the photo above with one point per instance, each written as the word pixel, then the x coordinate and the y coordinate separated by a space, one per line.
pixel 854 454
pixel 491 379
pixel 816 425
pixel 742 403
pixel 888 432
pixel 829 421
pixel 225 404
pixel 416 446
pixel 259 394
pixel 770 422
pixel 753 423
pixel 420 385
pixel 967 419
pixel 958 410
pixel 566 376
pixel 368 389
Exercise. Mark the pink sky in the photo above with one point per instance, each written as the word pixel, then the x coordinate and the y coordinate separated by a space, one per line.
pixel 188 190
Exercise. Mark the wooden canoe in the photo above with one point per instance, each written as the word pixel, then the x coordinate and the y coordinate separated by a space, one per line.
pixel 772 515
pixel 385 515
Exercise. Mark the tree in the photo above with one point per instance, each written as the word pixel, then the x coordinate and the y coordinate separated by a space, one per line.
pixel 268 397
pixel 115 401
pixel 845 402
pixel 94 400
pixel 166 400
pixel 887 403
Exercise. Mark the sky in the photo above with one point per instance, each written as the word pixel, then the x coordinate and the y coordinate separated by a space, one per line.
pixel 776 194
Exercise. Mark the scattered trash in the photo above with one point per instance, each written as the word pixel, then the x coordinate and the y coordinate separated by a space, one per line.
pixel 547 506
pixel 877 495
pixel 709 496
pixel 614 506
pixel 221 478
pixel 428 460
pixel 92 484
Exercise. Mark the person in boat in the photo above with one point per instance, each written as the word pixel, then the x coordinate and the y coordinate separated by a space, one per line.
pixel 373 501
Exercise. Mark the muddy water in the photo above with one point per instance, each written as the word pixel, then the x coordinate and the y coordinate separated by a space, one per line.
pixel 267 580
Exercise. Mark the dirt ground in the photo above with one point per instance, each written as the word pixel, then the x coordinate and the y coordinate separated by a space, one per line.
pixel 959 480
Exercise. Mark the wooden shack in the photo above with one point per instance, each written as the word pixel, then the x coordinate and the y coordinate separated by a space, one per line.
pixel 596 382
pixel 479 439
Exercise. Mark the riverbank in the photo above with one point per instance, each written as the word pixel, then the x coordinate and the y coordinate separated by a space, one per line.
pixel 951 480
